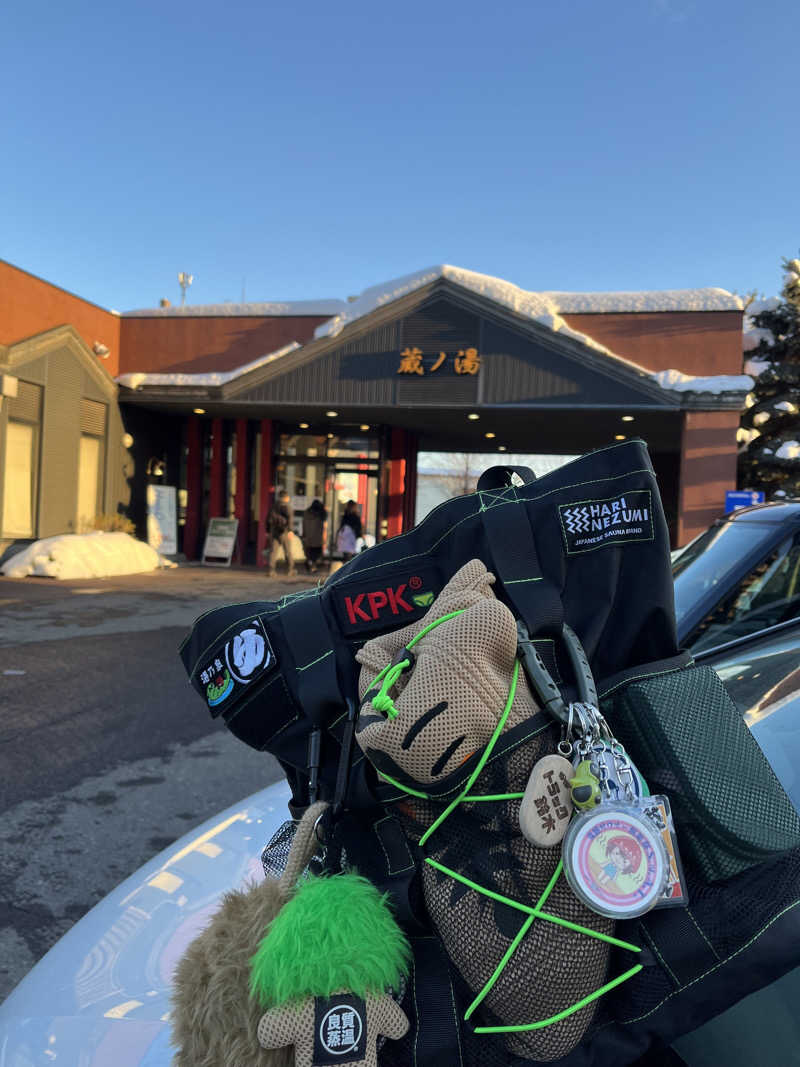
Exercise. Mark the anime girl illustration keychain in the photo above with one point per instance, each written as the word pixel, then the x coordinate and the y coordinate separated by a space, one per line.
pixel 614 856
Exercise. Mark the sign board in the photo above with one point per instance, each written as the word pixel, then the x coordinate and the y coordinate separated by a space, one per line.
pixel 220 542
pixel 743 498
pixel 162 519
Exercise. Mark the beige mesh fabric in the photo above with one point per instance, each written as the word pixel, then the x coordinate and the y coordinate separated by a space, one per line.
pixel 293 1024
pixel 467 662
pixel 464 663
pixel 552 967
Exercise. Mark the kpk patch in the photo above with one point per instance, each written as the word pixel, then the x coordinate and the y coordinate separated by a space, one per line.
pixel 241 659
pixel 590 524
pixel 379 604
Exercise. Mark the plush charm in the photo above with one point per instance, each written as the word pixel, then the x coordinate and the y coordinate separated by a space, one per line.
pixel 214 1020
pixel 323 970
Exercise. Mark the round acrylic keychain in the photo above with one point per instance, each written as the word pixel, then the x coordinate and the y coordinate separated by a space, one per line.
pixel 615 860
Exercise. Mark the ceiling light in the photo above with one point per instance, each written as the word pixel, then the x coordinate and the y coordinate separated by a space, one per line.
pixel 473 416
pixel 364 426
pixel 199 411
pixel 501 448
pixel 619 436
pixel 331 414
pixel 303 425
pixel 330 436
pixel 627 418
pixel 488 435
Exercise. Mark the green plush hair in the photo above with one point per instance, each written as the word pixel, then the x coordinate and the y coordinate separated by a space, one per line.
pixel 334 934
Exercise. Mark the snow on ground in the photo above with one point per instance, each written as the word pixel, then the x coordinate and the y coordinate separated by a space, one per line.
pixel 718 383
pixel 93 555
pixel 789 450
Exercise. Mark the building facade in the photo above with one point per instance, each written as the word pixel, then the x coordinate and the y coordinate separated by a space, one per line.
pixel 333 400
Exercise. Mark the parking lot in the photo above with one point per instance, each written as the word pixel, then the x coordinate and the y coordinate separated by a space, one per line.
pixel 106 754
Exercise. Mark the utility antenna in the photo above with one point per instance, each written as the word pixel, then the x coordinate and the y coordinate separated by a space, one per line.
pixel 184 281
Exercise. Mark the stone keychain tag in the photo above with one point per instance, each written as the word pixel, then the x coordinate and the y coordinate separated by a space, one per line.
pixel 546 805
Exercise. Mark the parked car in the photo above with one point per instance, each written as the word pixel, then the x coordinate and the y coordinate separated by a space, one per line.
pixel 101 995
pixel 740 576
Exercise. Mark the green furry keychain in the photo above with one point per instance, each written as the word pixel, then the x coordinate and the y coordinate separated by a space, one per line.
pixel 323 971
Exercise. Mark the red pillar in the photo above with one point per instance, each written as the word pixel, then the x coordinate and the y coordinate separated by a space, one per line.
pixel 397 482
pixel 265 489
pixel 194 487
pixel 216 490
pixel 241 500
pixel 410 493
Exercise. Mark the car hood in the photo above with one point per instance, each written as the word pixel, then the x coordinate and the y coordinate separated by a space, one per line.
pixel 101 994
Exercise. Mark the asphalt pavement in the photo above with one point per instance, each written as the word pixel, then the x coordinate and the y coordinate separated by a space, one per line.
pixel 106 754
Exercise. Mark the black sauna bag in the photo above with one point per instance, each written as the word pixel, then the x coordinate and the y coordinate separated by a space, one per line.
pixel 585 545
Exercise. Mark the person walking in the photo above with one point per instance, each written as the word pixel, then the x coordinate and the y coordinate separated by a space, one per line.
pixel 350 529
pixel 279 523
pixel 314 518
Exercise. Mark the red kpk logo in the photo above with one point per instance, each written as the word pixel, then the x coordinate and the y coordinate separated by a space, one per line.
pixel 359 611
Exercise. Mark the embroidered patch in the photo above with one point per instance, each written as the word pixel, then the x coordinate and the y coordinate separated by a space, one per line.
pixel 235 664
pixel 386 604
pixel 340 1029
pixel 590 524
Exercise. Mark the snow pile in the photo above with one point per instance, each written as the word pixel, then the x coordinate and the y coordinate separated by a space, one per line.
pixel 135 379
pixel 688 383
pixel 93 555
pixel 789 450
pixel 787 406
pixel 255 310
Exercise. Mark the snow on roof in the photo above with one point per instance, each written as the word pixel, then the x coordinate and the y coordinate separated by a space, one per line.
pixel 269 308
pixel 718 383
pixel 544 307
pixel 135 379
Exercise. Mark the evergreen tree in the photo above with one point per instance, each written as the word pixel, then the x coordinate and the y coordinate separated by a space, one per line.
pixel 770 425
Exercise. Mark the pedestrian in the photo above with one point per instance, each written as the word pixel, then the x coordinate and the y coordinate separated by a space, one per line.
pixel 350 530
pixel 279 523
pixel 314 519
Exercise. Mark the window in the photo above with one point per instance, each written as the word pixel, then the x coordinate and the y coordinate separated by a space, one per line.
pixel 19 480
pixel 88 480
pixel 90 463
pixel 768 595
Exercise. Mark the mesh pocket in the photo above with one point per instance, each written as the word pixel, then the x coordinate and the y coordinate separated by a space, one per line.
pixel 690 742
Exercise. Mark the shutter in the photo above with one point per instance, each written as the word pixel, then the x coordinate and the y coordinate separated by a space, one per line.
pixel 93 418
pixel 26 406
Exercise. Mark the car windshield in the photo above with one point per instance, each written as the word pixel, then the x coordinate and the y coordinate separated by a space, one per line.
pixel 767 594
pixel 708 561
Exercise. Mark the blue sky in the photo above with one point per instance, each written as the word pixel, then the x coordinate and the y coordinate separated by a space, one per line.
pixel 304 151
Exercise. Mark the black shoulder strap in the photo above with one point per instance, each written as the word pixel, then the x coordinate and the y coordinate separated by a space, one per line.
pixel 515 561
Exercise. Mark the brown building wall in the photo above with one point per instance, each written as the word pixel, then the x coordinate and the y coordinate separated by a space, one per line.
pixel 695 342
pixel 707 469
pixel 29 306
pixel 194 345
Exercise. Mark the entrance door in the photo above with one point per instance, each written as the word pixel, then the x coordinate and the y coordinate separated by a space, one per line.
pixel 344 483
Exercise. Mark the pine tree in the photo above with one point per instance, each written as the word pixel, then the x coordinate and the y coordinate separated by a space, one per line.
pixel 770 424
